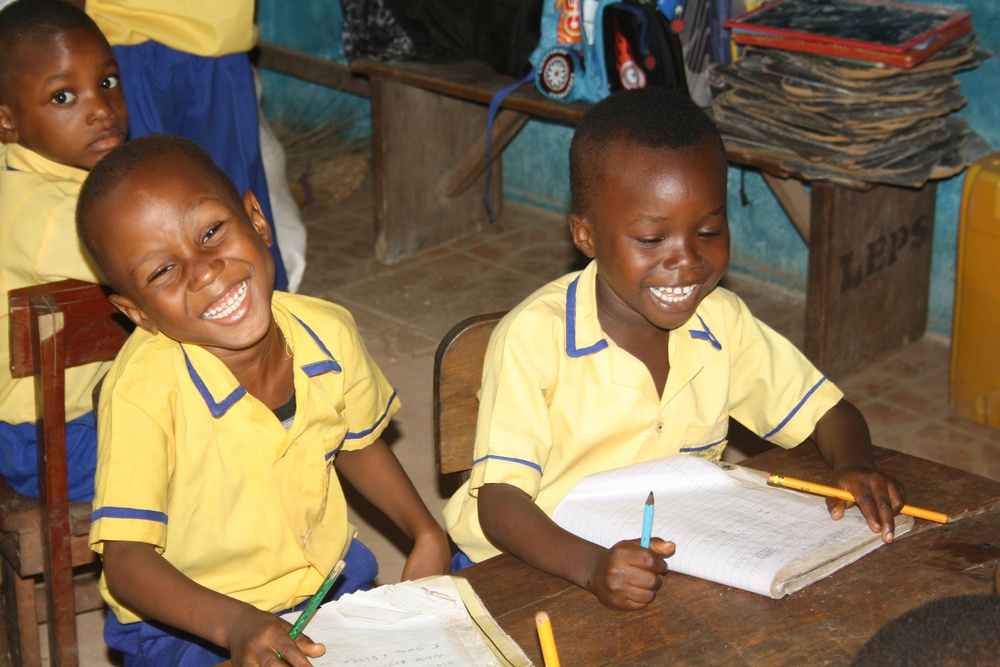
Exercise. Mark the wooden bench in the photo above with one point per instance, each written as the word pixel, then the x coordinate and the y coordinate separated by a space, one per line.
pixel 869 245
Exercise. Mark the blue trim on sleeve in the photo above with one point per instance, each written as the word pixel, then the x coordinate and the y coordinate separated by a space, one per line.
pixel 362 434
pixel 128 513
pixel 706 334
pixel 318 367
pixel 216 408
pixel 684 450
pixel 330 455
pixel 796 408
pixel 509 459
pixel 571 349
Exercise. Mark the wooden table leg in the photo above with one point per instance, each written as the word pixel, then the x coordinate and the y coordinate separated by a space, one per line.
pixel 869 272
pixel 417 139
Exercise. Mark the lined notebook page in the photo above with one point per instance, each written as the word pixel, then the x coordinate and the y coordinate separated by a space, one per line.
pixel 730 528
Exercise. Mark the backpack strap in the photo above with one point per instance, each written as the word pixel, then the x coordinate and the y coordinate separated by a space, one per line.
pixel 495 103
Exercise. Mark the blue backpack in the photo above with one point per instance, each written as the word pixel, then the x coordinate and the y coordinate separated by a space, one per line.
pixel 625 44
pixel 628 44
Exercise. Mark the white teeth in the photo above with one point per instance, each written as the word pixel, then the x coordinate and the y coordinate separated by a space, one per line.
pixel 231 305
pixel 672 294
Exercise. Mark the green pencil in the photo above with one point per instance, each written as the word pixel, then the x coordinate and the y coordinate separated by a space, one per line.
pixel 315 600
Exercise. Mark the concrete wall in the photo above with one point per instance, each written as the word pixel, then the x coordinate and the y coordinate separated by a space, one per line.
pixel 765 243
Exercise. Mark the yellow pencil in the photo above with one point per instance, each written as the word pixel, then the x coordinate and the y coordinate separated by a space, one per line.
pixel 545 638
pixel 833 492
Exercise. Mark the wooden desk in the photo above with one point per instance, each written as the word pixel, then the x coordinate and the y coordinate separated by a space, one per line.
pixel 698 622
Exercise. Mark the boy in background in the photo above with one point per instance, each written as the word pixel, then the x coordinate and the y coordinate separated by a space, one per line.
pixel 225 422
pixel 61 110
pixel 640 356
pixel 186 71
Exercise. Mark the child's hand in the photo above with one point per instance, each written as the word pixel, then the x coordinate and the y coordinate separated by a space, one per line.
pixel 877 495
pixel 628 576
pixel 258 638
pixel 430 555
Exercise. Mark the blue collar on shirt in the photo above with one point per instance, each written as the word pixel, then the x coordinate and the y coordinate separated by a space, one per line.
pixel 219 408
pixel 573 351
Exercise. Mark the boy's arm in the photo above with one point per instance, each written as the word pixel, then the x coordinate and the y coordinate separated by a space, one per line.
pixel 842 438
pixel 375 472
pixel 625 576
pixel 147 583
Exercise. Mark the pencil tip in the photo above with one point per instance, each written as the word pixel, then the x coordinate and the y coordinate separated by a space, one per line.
pixel 649 498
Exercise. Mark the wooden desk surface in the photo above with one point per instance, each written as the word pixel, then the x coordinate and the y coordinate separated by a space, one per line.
pixel 698 622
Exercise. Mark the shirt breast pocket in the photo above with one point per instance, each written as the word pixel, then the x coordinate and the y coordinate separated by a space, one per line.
pixel 706 442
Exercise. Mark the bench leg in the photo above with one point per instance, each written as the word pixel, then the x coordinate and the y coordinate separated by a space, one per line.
pixel 418 140
pixel 21 618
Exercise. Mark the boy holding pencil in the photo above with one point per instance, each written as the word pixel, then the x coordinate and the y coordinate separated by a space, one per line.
pixel 225 424
pixel 640 356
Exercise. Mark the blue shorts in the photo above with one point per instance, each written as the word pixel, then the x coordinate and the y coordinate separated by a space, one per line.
pixel 151 644
pixel 460 561
pixel 211 101
pixel 19 457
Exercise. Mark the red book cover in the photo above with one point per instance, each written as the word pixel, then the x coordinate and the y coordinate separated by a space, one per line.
pixel 904 34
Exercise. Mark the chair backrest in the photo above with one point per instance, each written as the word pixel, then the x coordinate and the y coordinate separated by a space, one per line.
pixel 458 372
pixel 53 327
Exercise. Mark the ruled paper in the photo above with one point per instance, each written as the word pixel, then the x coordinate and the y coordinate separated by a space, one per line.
pixel 729 526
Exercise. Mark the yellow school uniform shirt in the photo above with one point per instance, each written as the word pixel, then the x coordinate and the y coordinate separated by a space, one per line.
pixel 38 244
pixel 215 28
pixel 192 464
pixel 560 401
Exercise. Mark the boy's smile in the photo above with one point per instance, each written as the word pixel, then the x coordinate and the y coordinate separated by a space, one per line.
pixel 189 259
pixel 66 100
pixel 658 229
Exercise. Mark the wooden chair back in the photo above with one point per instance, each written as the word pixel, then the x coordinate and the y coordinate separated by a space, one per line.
pixel 53 327
pixel 458 372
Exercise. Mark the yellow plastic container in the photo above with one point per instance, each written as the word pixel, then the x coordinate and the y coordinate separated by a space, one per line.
pixel 975 340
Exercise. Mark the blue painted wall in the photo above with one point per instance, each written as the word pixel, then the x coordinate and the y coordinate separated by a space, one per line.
pixel 765 243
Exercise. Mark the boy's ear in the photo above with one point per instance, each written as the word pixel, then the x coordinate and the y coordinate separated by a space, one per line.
pixel 133 312
pixel 8 133
pixel 583 234
pixel 256 216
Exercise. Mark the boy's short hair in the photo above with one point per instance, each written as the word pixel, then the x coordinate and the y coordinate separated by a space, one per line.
pixel 956 630
pixel 24 21
pixel 125 160
pixel 652 117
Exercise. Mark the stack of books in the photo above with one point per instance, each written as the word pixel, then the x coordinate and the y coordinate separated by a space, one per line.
pixel 820 115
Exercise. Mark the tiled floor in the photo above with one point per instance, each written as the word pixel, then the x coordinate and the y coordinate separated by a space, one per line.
pixel 405 309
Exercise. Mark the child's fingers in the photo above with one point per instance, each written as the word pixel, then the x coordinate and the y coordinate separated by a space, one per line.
pixel 837 507
pixel 662 547
pixel 309 647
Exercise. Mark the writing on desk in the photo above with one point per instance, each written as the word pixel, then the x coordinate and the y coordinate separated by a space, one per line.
pixel 882 252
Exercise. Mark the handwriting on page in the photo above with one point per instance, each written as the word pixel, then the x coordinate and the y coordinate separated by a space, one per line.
pixel 402 625
pixel 726 530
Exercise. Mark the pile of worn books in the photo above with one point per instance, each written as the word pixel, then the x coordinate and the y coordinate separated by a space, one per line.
pixel 824 117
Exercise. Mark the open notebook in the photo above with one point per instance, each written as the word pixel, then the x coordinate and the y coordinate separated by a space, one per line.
pixel 729 526
pixel 434 622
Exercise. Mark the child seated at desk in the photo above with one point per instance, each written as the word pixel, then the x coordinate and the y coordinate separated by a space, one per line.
pixel 61 110
pixel 640 356
pixel 224 422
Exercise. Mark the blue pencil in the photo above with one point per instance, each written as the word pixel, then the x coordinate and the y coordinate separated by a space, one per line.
pixel 647 522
